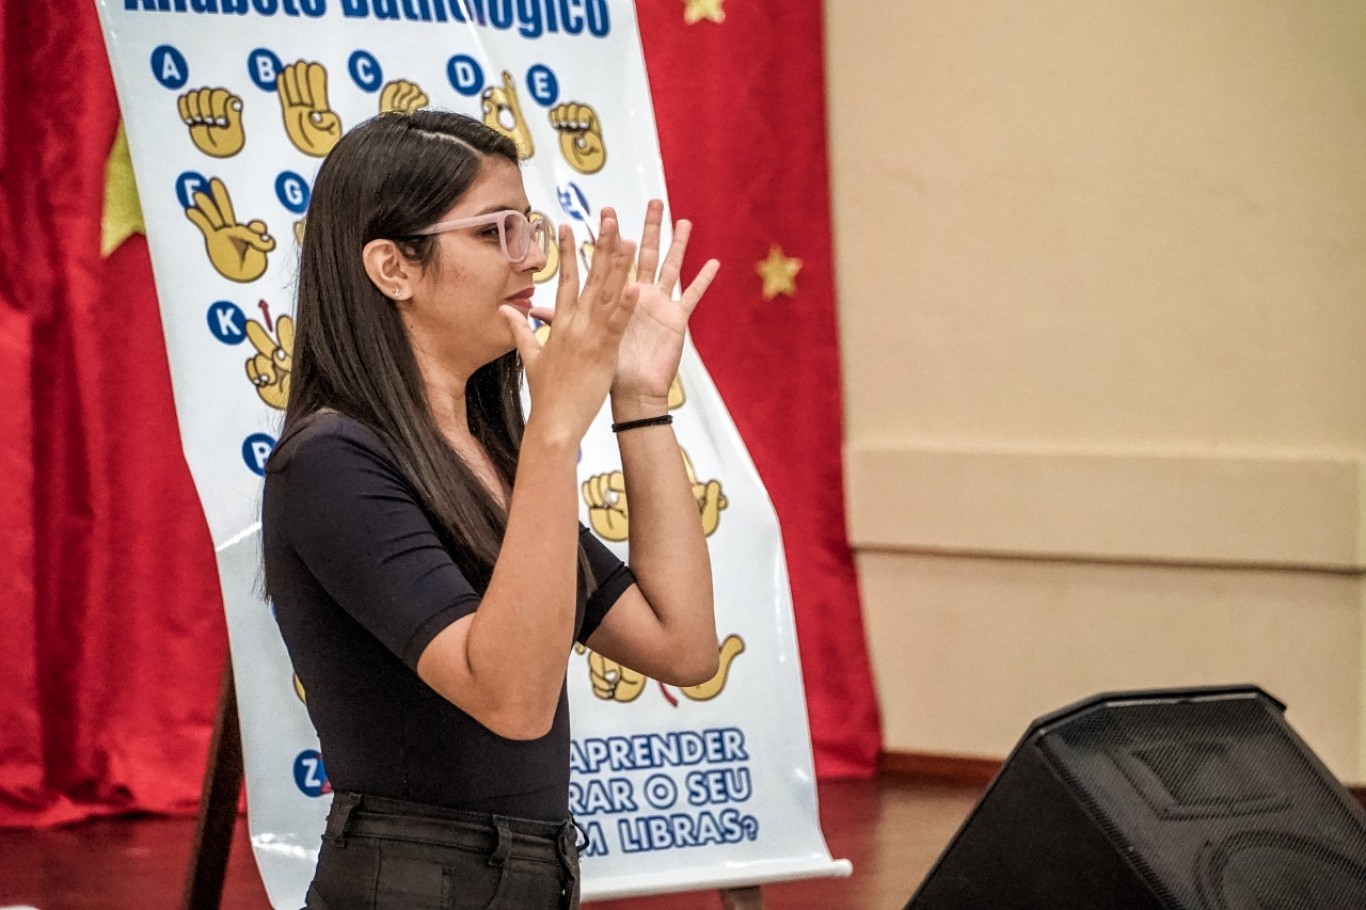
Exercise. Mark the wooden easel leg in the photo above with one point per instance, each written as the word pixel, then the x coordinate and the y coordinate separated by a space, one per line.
pixel 217 804
pixel 742 899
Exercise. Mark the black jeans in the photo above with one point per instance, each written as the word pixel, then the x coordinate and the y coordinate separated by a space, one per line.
pixel 389 854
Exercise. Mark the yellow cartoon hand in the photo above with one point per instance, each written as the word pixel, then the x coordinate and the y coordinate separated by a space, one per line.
pixel 402 95
pixel 503 112
pixel 677 397
pixel 269 368
pixel 711 500
pixel 214 118
pixel 552 256
pixel 310 122
pixel 730 648
pixel 605 496
pixel 612 681
pixel 580 136
pixel 237 251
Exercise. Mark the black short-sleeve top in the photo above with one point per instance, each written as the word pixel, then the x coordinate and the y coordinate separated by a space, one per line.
pixel 360 585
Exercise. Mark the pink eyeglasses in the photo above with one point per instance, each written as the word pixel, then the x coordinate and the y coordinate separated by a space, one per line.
pixel 516 232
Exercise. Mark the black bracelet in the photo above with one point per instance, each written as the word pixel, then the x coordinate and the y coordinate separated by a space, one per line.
pixel 661 420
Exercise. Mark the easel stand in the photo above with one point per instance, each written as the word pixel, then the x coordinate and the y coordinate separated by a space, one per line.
pixel 217 804
pixel 218 814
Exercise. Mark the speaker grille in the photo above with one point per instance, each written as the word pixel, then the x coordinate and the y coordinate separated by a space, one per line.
pixel 1264 871
pixel 1219 781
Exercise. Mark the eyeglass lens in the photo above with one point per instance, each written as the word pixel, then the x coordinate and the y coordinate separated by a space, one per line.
pixel 519 234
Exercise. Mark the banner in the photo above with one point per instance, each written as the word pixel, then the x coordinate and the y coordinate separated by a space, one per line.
pixel 229 107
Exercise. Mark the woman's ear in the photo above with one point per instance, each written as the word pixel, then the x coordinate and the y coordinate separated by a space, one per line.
pixel 389 269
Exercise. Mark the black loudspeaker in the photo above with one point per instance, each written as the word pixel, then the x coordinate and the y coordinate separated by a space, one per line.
pixel 1197 799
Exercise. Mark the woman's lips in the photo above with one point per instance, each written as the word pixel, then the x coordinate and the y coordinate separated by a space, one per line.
pixel 521 300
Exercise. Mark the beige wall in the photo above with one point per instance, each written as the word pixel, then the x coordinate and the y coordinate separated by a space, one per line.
pixel 1102 278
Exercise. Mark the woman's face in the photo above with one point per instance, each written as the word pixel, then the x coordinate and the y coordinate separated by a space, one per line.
pixel 452 314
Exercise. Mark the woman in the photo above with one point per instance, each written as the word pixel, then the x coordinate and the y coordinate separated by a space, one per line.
pixel 422 548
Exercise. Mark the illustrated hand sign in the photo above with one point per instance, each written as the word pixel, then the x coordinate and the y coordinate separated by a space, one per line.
pixel 237 251
pixel 580 136
pixel 503 112
pixel 610 516
pixel 269 369
pixel 612 681
pixel 401 95
pixel 214 118
pixel 710 498
pixel 605 495
pixel 552 256
pixel 309 121
pixel 727 651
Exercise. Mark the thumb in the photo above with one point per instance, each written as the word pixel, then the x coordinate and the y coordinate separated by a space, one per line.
pixel 522 336
pixel 256 235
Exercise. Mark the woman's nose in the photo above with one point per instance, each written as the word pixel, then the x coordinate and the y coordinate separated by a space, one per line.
pixel 535 259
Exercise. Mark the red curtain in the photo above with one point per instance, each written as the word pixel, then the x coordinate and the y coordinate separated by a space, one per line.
pixel 114 632
pixel 740 105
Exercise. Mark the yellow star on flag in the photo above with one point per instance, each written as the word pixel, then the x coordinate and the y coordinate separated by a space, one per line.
pixel 697 10
pixel 122 211
pixel 779 272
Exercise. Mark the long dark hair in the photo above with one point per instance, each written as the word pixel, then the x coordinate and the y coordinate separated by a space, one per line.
pixel 388 177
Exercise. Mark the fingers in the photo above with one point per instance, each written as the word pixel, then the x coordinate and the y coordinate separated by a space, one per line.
pixel 222 200
pixel 649 242
pixel 196 215
pixel 544 314
pixel 692 296
pixel 208 106
pixel 218 106
pixel 522 336
pixel 609 236
pixel 317 86
pixel 621 315
pixel 206 211
pixel 402 95
pixel 259 339
pixel 327 122
pixel 253 235
pixel 567 292
pixel 673 262
pixel 258 370
pixel 287 84
pixel 284 330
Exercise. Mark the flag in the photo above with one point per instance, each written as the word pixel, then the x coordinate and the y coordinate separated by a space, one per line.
pixel 114 634
pixel 739 98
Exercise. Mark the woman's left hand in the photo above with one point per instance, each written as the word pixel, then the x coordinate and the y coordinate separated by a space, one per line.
pixel 652 344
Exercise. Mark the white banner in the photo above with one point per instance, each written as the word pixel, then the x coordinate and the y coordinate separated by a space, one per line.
pixel 229 106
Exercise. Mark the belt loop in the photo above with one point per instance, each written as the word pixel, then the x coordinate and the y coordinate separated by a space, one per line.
pixel 504 847
pixel 569 859
pixel 580 833
pixel 339 816
pixel 499 857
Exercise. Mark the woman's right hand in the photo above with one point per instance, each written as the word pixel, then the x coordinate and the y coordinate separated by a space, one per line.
pixel 569 376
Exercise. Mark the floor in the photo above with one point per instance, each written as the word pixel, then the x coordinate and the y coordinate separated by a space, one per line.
pixel 892 829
